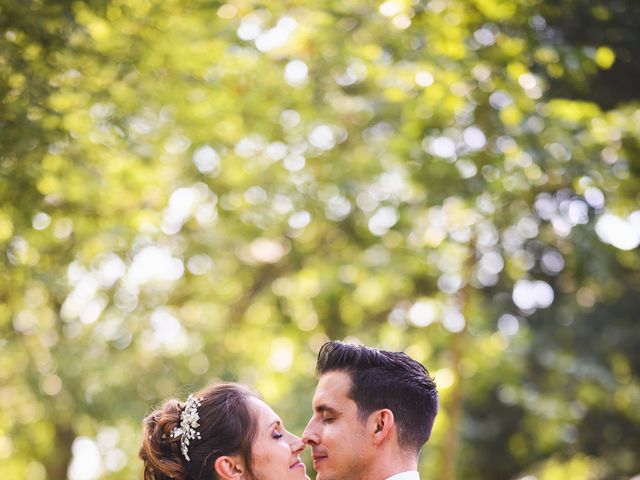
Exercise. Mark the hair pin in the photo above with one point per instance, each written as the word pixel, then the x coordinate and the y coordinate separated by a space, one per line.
pixel 188 424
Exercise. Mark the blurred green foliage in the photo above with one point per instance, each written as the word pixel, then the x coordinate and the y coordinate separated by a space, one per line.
pixel 197 190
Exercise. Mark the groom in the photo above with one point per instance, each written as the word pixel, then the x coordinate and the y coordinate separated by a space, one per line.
pixel 373 412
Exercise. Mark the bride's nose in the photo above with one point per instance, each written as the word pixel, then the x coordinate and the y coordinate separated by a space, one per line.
pixel 296 444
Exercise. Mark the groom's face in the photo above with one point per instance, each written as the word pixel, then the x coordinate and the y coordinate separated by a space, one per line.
pixel 336 433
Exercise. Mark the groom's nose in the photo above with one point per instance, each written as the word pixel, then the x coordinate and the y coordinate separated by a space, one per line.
pixel 310 435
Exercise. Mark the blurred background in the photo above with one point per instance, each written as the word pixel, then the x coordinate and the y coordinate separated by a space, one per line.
pixel 193 190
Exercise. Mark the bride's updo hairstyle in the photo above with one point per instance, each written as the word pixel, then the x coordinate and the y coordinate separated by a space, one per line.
pixel 226 427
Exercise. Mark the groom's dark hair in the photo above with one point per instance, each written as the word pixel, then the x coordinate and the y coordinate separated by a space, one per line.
pixel 381 379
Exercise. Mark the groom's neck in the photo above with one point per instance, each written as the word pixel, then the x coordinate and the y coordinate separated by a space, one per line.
pixel 391 463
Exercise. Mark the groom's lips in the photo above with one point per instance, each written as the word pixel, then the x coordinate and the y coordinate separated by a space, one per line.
pixel 317 459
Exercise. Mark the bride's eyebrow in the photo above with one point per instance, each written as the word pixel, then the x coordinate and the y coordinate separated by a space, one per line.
pixel 275 422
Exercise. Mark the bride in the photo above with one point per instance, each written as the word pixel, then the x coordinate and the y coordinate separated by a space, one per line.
pixel 224 432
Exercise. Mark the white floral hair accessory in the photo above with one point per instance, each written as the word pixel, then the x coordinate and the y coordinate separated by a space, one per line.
pixel 188 423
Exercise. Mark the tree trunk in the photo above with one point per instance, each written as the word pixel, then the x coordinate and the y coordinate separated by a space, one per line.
pixel 454 411
pixel 454 405
pixel 57 464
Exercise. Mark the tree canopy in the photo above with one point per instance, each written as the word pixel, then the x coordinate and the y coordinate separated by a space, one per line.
pixel 193 190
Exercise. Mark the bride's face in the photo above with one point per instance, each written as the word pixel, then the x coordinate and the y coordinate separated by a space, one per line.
pixel 276 452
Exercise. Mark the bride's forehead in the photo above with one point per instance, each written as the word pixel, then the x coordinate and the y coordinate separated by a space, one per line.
pixel 262 410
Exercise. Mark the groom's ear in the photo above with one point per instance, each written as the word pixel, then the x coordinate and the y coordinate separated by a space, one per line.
pixel 382 422
pixel 229 467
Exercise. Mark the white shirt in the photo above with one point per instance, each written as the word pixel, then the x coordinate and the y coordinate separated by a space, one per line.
pixel 405 476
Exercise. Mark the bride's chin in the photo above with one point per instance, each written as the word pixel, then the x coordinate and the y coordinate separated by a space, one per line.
pixel 301 474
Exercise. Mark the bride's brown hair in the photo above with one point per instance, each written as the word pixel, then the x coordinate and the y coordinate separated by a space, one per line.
pixel 227 427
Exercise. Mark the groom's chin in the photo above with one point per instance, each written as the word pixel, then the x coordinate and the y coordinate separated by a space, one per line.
pixel 324 476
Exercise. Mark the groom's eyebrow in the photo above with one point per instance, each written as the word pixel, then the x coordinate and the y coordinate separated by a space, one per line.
pixel 326 408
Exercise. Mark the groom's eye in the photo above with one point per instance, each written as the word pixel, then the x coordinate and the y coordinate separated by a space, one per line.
pixel 327 419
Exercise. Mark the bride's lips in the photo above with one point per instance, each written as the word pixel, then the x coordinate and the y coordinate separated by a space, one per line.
pixel 297 463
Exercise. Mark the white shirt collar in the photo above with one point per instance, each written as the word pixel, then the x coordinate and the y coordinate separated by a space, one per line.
pixel 405 476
